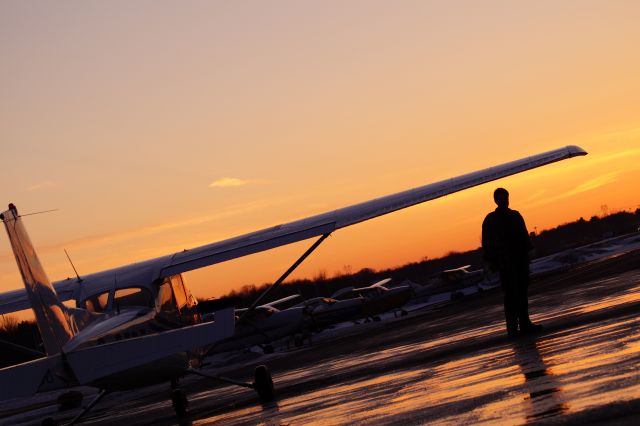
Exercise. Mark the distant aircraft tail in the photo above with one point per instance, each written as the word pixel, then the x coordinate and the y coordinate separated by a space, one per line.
pixel 51 315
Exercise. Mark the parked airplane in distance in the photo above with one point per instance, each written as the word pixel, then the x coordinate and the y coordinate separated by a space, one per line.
pixel 451 280
pixel 378 299
pixel 138 324
pixel 325 311
pixel 264 325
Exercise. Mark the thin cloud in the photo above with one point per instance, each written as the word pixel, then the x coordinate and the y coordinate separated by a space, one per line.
pixel 596 183
pixel 617 155
pixel 589 185
pixel 227 182
pixel 536 196
pixel 113 238
pixel 41 185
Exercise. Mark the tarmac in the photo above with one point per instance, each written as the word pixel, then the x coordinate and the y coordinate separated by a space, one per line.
pixel 450 364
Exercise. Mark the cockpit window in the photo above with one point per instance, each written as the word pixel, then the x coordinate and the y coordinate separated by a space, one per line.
pixel 97 302
pixel 133 296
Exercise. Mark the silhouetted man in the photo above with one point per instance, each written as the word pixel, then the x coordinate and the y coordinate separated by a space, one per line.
pixel 506 246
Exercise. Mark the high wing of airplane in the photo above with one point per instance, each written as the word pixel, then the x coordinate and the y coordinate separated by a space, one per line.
pixel 138 324
pixel 278 302
pixel 374 286
pixel 322 224
pixel 263 325
pixel 270 306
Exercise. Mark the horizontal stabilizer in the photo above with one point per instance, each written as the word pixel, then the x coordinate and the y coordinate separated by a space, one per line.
pixel 17 300
pixel 100 361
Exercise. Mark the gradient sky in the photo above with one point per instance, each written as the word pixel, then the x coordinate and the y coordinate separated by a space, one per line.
pixel 156 126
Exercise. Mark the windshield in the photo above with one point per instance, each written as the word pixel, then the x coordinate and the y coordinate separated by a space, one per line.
pixel 133 296
pixel 97 302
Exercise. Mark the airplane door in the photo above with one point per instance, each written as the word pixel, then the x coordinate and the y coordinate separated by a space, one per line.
pixel 189 315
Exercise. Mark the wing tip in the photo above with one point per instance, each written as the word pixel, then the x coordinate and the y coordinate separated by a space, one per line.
pixel 575 150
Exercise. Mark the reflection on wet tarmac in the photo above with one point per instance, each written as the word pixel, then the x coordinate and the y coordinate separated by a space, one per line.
pixel 540 381
pixel 512 382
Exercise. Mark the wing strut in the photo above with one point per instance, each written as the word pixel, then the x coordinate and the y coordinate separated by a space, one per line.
pixel 285 275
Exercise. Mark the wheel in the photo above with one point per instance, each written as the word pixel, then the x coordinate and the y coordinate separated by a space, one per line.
pixel 49 421
pixel 267 349
pixel 263 383
pixel 180 402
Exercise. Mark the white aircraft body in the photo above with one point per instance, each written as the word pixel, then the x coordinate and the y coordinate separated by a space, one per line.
pixel 264 325
pixel 377 299
pixel 324 311
pixel 137 324
pixel 450 280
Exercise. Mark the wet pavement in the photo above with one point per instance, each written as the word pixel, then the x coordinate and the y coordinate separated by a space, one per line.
pixel 450 365
pixel 552 376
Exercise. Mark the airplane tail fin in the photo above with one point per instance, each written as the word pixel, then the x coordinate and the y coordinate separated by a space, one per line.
pixel 52 316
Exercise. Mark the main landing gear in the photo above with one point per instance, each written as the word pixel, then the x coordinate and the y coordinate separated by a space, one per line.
pixel 262 384
pixel 179 399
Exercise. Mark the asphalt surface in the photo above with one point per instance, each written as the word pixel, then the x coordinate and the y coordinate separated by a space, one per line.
pixel 450 365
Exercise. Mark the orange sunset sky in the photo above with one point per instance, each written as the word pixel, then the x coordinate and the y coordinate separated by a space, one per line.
pixel 156 126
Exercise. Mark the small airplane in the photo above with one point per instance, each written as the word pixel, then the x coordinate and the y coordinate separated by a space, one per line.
pixel 325 311
pixel 138 324
pixel 378 299
pixel 451 280
pixel 264 325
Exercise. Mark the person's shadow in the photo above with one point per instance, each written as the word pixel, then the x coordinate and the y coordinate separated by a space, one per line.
pixel 545 395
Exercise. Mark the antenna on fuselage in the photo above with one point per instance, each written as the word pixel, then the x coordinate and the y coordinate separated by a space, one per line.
pixel 73 266
pixel 44 211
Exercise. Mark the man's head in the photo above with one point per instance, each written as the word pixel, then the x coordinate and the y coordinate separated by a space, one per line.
pixel 501 197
